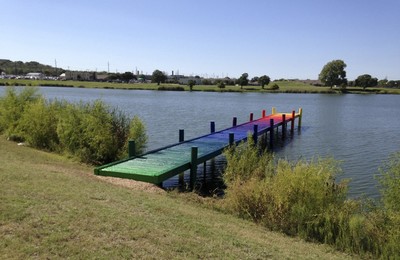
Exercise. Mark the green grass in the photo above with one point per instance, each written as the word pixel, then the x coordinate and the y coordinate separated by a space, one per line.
pixel 284 87
pixel 52 207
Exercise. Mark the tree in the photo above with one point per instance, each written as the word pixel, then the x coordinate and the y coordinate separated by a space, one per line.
pixel 333 73
pixel 158 77
pixel 254 79
pixel 243 80
pixel 366 81
pixel 221 85
pixel 264 80
pixel 127 76
pixel 191 83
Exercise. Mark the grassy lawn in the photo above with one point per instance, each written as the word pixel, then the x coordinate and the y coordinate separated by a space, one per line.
pixel 284 87
pixel 52 207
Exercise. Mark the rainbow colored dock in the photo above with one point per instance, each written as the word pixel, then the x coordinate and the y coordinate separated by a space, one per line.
pixel 159 165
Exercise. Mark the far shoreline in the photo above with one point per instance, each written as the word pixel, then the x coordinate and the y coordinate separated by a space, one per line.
pixel 290 87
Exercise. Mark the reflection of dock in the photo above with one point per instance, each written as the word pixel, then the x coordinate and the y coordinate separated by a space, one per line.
pixel 159 165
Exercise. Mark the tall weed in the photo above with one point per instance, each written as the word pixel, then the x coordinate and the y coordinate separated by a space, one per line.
pixel 93 132
pixel 305 199
pixel 12 106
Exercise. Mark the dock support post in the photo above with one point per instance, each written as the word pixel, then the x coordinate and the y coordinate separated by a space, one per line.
pixel 263 113
pixel 283 126
pixel 300 116
pixel 271 133
pixel 212 127
pixel 193 166
pixel 273 110
pixel 181 139
pixel 251 117
pixel 181 135
pixel 292 125
pixel 234 121
pixel 231 138
pixel 255 133
pixel 131 148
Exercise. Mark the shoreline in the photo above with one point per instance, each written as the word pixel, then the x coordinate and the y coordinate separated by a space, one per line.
pixel 289 87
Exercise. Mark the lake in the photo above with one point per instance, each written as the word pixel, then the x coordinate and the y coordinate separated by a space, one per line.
pixel 361 131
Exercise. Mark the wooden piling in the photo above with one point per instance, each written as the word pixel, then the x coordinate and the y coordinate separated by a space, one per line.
pixel 300 117
pixel 292 124
pixel 273 111
pixel 212 127
pixel 263 113
pixel 231 139
pixel 251 117
pixel 255 133
pixel 131 149
pixel 271 133
pixel 193 166
pixel 181 135
pixel 234 121
pixel 181 177
pixel 283 126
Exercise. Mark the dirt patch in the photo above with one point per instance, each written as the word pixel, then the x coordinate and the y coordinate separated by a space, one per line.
pixel 132 184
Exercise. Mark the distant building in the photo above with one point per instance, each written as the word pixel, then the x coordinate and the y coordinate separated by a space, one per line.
pixel 34 75
pixel 185 80
pixel 80 75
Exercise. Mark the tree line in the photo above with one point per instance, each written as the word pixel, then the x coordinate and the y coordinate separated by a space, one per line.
pixel 334 74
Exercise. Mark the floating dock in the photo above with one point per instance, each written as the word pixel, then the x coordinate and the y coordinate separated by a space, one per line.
pixel 161 164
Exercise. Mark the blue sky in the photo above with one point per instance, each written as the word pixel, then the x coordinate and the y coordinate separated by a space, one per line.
pixel 282 39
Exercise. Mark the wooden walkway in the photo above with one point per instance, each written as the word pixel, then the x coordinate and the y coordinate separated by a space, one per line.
pixel 159 165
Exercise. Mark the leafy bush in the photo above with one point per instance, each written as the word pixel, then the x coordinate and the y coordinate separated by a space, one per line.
pixel 38 125
pixel 12 106
pixel 304 199
pixel 93 132
pixel 137 132
pixel 274 87
pixel 166 88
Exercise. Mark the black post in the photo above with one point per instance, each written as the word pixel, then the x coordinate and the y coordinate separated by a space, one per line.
pixel 283 126
pixel 193 166
pixel 255 133
pixel 212 127
pixel 231 138
pixel 292 125
pixel 131 148
pixel 271 133
pixel 234 121
pixel 181 139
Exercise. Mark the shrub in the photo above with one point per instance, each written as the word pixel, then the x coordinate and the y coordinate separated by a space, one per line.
pixel 137 132
pixel 38 125
pixel 166 88
pixel 303 199
pixel 274 87
pixel 93 132
pixel 12 106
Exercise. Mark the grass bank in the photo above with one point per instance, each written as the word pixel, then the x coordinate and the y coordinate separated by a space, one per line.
pixel 52 207
pixel 284 87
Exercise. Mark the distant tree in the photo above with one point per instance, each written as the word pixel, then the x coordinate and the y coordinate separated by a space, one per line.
pixel 206 82
pixel 254 79
pixel 264 80
pixel 366 81
pixel 333 73
pixel 228 81
pixel 191 83
pixel 221 85
pixel 127 76
pixel 158 77
pixel 382 82
pixel 243 80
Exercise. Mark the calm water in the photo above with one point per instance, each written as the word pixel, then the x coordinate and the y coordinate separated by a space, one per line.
pixel 359 130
